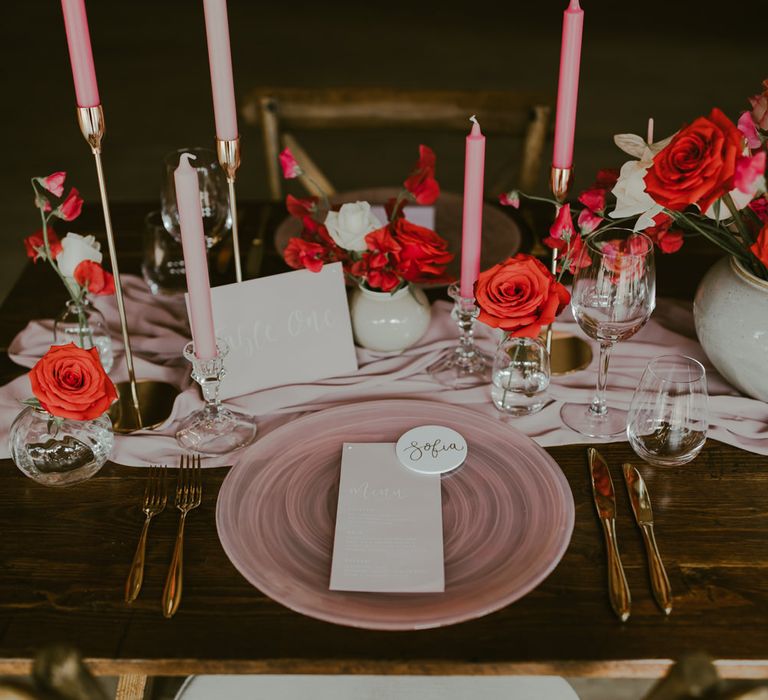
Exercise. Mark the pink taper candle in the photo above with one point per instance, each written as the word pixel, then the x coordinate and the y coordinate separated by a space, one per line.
pixel 195 260
pixel 472 231
pixel 80 55
pixel 568 86
pixel 220 61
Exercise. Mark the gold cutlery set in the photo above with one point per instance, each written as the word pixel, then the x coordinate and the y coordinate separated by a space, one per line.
pixel 605 503
pixel 189 493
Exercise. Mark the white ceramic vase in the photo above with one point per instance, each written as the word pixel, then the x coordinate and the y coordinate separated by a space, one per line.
pixel 389 322
pixel 731 315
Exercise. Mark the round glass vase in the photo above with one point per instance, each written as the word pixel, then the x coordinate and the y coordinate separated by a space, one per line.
pixel 520 376
pixel 59 452
pixel 389 321
pixel 84 325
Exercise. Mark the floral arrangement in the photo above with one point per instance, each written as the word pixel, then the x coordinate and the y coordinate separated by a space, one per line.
pixel 70 382
pixel 378 256
pixel 707 179
pixel 75 259
pixel 520 296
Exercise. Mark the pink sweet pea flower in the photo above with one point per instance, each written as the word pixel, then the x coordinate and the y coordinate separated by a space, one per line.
pixel 71 207
pixel 746 126
pixel 748 169
pixel 510 199
pixel 593 199
pixel 54 183
pixel 291 169
pixel 562 229
pixel 588 221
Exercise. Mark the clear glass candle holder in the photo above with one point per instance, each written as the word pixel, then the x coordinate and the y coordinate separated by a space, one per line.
pixel 668 416
pixel 214 429
pixel 520 376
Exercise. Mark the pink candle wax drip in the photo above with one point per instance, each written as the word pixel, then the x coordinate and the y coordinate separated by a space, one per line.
pixel 568 86
pixel 220 61
pixel 471 239
pixel 195 259
pixel 80 54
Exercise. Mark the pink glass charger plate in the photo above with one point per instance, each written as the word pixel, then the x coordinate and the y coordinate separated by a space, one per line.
pixel 507 515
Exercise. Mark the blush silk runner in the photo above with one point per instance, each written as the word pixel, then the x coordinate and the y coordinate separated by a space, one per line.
pixel 159 330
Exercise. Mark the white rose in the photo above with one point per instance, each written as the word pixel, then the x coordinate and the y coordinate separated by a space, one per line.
pixel 351 224
pixel 74 249
pixel 631 197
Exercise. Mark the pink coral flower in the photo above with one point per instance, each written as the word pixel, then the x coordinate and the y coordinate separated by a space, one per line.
pixel 746 126
pixel 510 199
pixel 291 169
pixel 563 226
pixel 54 183
pixel 748 169
pixel 71 207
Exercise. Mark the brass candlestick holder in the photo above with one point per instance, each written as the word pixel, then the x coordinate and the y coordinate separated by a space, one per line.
pixel 567 352
pixel 144 404
pixel 229 159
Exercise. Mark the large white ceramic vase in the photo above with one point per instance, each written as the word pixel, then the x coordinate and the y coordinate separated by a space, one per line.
pixel 731 315
pixel 389 322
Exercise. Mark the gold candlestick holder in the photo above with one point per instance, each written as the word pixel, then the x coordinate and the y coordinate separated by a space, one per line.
pixel 228 152
pixel 142 404
pixel 568 353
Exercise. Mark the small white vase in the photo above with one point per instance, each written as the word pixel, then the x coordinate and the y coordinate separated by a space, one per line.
pixel 389 322
pixel 731 315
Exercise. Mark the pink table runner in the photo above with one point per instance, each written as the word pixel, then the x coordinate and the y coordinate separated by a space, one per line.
pixel 159 330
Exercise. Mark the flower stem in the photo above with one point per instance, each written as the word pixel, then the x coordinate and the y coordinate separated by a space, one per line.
pixel 743 229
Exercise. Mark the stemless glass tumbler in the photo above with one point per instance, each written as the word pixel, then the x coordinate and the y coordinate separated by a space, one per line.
pixel 613 296
pixel 668 417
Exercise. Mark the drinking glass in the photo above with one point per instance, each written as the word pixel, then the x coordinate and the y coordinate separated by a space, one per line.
pixel 214 194
pixel 162 264
pixel 612 298
pixel 668 417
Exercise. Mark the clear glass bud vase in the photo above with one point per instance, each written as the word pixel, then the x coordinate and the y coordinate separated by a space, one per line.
pixel 84 325
pixel 59 452
pixel 520 376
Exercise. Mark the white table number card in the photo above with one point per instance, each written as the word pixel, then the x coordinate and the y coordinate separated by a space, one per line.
pixel 284 329
pixel 389 525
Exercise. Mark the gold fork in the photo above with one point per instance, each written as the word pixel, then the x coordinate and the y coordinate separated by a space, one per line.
pixel 189 493
pixel 155 497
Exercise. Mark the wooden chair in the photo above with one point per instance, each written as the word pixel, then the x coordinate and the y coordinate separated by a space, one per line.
pixel 278 110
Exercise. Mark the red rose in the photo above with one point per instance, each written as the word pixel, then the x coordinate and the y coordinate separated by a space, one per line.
pixel 94 278
pixel 35 244
pixel 760 247
pixel 300 253
pixel 698 165
pixel 423 255
pixel 70 382
pixel 71 207
pixel 421 182
pixel 519 296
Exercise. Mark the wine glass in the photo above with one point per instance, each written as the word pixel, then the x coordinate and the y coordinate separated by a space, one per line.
pixel 668 417
pixel 612 298
pixel 214 194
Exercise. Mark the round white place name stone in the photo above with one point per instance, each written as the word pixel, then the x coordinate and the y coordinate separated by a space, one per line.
pixel 431 449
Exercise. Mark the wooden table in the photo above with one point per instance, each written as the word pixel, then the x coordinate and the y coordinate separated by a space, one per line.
pixel 65 556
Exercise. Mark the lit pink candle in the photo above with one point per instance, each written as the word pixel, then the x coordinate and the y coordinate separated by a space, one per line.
pixel 568 87
pixel 195 260
pixel 472 232
pixel 80 55
pixel 220 61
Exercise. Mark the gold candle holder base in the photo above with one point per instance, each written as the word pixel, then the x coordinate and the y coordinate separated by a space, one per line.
pixel 567 352
pixel 91 121
pixel 228 152
pixel 155 401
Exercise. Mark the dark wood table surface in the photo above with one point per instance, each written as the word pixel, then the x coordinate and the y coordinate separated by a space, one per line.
pixel 66 553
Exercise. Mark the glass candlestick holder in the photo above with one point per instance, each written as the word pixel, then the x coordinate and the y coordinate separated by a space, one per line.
pixel 465 365
pixel 214 429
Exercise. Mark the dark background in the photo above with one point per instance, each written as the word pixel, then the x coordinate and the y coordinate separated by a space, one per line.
pixel 668 59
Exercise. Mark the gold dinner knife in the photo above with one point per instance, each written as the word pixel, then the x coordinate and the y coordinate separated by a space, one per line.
pixel 605 502
pixel 641 506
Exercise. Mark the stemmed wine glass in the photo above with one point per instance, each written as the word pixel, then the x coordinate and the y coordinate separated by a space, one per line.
pixel 214 195
pixel 612 298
